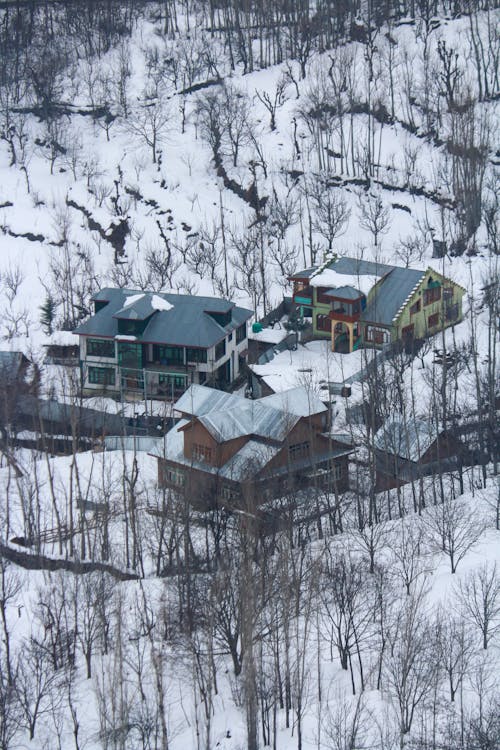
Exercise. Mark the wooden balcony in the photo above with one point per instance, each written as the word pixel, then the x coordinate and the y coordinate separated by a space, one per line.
pixel 343 317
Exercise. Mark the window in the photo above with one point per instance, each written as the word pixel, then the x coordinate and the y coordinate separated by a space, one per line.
pixel 448 293
pixel 167 382
pixel 130 355
pixel 241 333
pixel 298 450
pixel 433 320
pixel 228 493
pixel 201 453
pixel 452 312
pixel 168 355
pixel 415 308
pixel 220 349
pixel 175 476
pixel 196 355
pixel 433 294
pixel 230 337
pixel 101 375
pixel 323 323
pixel 377 335
pixel 101 348
pixel 337 471
pixel 321 297
pixel 222 318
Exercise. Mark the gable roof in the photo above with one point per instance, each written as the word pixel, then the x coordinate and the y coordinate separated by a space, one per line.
pixel 174 319
pixel 299 401
pixel 199 400
pixel 246 462
pixel 409 440
pixel 391 295
pixel 249 418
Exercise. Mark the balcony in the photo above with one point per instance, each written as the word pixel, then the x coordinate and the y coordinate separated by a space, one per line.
pixel 304 297
pixel 344 315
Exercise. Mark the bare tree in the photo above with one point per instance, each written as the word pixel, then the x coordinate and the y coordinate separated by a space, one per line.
pixel 373 214
pixel 479 597
pixel 409 664
pixel 454 528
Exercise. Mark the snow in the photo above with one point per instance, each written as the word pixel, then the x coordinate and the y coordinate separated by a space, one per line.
pixel 269 335
pixel 157 303
pixel 132 299
pixel 332 279
pixel 312 365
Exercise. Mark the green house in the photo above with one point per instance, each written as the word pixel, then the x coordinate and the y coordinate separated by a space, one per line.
pixel 362 303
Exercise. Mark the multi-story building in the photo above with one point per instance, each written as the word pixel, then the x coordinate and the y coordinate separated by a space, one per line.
pixel 155 345
pixel 226 448
pixel 362 303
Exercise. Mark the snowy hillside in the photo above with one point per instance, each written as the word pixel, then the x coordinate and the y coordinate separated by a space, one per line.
pixel 215 149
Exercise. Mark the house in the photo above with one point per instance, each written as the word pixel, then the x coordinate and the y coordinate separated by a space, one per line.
pixel 154 345
pixel 226 446
pixel 408 450
pixel 62 348
pixel 359 303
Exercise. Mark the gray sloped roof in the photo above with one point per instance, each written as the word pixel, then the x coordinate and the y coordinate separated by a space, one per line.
pixel 359 267
pixel 249 418
pixel 409 440
pixel 199 400
pixel 344 292
pixel 186 323
pixel 391 294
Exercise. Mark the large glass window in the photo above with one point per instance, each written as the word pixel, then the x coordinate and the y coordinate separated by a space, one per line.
pixel 168 355
pixel 220 349
pixel 101 348
pixel 101 375
pixel 241 333
pixel 130 354
pixel 196 355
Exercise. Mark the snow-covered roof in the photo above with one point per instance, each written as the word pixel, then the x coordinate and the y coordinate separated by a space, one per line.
pixel 249 418
pixel 409 440
pixel 331 278
pixel 251 457
pixel 269 335
pixel 199 400
pixel 299 401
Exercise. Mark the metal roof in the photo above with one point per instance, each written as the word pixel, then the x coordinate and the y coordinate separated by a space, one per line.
pixel 186 323
pixel 299 401
pixel 409 440
pixel 251 458
pixel 199 400
pixel 391 294
pixel 249 418
pixel 344 292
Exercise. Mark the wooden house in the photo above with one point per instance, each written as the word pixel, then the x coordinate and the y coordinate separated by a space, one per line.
pixel 226 446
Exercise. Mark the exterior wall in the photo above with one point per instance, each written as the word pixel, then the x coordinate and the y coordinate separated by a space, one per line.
pixel 420 319
pixel 319 308
pixel 196 434
pixel 233 352
pixel 89 361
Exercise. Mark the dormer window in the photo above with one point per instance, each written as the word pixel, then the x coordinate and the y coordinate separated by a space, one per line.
pixel 222 318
